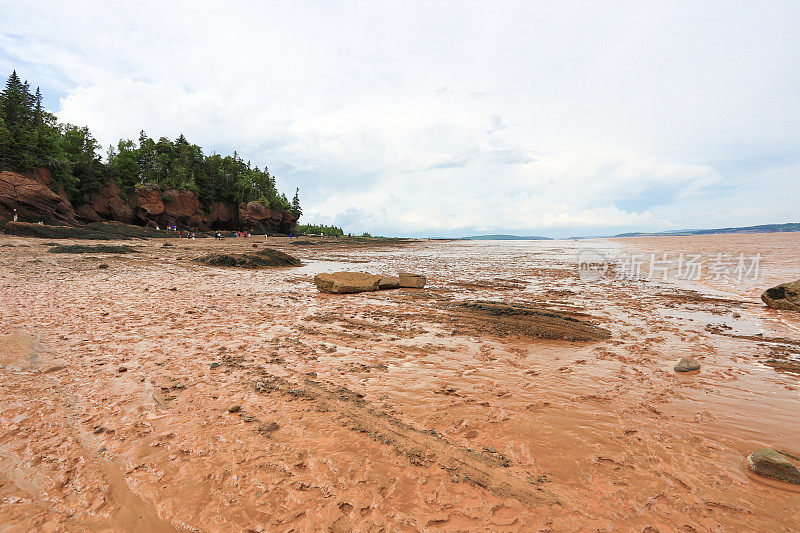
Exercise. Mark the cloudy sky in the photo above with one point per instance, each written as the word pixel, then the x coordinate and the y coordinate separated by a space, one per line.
pixel 443 118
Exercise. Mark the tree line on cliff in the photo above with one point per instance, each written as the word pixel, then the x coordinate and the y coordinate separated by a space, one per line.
pixel 31 137
pixel 320 229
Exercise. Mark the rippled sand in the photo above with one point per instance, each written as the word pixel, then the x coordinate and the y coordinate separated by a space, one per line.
pixel 380 411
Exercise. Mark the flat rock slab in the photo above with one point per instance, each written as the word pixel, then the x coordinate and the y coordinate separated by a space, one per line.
pixel 388 282
pixel 413 281
pixel 785 296
pixel 347 282
pixel 769 463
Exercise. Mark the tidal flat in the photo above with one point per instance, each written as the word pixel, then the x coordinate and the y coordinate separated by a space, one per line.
pixel 160 394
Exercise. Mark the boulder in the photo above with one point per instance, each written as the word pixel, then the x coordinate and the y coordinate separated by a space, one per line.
pixel 414 281
pixel 785 296
pixel 33 199
pixel 769 463
pixel 686 364
pixel 388 282
pixel 347 282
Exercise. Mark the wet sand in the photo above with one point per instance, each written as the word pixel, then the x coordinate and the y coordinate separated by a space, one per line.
pixel 388 410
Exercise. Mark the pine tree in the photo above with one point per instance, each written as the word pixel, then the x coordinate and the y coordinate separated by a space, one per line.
pixel 297 211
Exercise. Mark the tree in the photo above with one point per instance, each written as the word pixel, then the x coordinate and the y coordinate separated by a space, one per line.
pixel 125 165
pixel 16 110
pixel 31 137
pixel 147 158
pixel 297 211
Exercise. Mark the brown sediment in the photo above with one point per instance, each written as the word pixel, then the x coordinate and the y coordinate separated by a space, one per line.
pixel 440 408
pixel 694 296
pixel 485 468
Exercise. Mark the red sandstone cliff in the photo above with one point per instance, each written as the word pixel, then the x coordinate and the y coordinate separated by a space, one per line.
pixel 148 205
pixel 33 198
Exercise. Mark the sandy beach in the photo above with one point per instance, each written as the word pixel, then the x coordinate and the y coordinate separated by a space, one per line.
pixel 394 410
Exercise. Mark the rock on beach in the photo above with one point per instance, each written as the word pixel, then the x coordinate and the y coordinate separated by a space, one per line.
pixel 769 463
pixel 686 364
pixel 412 281
pixel 347 282
pixel 785 296
pixel 388 282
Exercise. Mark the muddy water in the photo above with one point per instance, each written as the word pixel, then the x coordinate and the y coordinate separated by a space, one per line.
pixel 378 410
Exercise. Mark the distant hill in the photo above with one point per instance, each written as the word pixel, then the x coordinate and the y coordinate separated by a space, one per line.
pixel 764 228
pixel 503 238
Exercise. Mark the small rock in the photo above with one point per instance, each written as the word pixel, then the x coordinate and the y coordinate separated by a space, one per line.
pixel 686 364
pixel 102 266
pixel 234 408
pixel 471 434
pixel 769 463
pixel 122 369
pixel 98 429
pixel 214 365
pixel 249 418
pixel 56 365
pixel 266 429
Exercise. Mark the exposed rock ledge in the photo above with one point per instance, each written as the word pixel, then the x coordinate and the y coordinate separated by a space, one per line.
pixel 35 201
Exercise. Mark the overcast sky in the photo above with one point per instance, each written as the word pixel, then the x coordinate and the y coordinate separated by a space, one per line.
pixel 450 118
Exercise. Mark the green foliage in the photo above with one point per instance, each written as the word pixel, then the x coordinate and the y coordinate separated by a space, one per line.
pixel 311 229
pixel 297 211
pixel 30 137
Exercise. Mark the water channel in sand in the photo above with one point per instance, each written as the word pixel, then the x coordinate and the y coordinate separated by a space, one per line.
pixel 381 410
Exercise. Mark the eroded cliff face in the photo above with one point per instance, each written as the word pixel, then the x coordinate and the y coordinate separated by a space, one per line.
pixel 35 201
pixel 33 198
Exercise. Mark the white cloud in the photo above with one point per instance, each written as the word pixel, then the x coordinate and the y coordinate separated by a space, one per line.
pixel 448 118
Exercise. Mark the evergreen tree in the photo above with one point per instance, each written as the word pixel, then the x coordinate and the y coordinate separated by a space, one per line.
pixel 30 137
pixel 297 211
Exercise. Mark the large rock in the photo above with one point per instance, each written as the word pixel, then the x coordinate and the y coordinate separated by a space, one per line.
pixel 146 202
pixel 769 463
pixel 106 204
pixel 180 203
pixel 347 282
pixel 256 216
pixel 222 215
pixel 33 199
pixel 785 296
pixel 388 282
pixel 414 281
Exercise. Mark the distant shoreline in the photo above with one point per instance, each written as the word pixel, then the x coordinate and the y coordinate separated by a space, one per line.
pixel 763 228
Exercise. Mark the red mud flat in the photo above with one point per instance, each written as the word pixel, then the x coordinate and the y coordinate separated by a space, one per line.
pixel 505 395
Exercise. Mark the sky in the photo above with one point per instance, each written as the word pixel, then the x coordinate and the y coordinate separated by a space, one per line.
pixel 447 119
